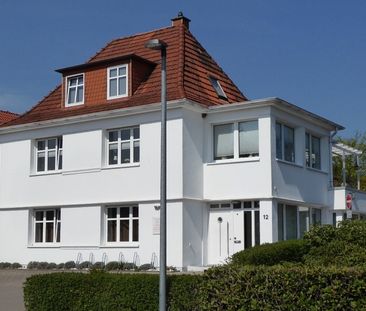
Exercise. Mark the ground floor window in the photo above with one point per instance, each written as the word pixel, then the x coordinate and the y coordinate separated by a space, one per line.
pixel 122 224
pixel 293 221
pixel 47 226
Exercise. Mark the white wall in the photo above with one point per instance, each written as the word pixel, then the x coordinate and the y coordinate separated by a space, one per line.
pixel 243 178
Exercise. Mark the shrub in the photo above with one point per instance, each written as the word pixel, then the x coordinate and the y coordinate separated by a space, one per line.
pixel 282 288
pixel 341 246
pixel 16 265
pixel 32 265
pixel 113 265
pixel 51 266
pixel 103 291
pixel 272 254
pixel 145 267
pixel 98 265
pixel 70 265
pixel 60 266
pixel 128 266
pixel 85 265
pixel 5 265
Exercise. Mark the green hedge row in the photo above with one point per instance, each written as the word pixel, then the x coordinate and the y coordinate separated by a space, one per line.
pixel 221 288
pixel 283 288
pixel 100 291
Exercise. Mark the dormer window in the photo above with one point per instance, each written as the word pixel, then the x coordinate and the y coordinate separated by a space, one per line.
pixel 75 90
pixel 218 89
pixel 117 82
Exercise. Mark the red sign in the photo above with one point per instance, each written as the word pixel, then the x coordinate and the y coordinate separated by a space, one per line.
pixel 349 201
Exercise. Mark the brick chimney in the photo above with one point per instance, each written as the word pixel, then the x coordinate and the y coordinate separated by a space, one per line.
pixel 181 20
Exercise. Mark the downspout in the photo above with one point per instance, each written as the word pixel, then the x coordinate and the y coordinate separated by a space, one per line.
pixel 331 185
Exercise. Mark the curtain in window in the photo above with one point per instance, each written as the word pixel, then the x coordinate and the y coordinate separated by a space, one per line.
pixel 248 139
pixel 315 154
pixel 289 143
pixel 291 222
pixel 224 141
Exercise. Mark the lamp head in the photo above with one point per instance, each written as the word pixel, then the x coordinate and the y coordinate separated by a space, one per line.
pixel 155 44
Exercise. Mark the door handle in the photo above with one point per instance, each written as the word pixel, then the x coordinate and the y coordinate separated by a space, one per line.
pixel 237 241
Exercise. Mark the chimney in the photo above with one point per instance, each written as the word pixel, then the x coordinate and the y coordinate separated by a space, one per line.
pixel 181 20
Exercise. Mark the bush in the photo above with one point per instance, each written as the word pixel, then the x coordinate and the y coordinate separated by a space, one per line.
pixel 342 246
pixel 272 254
pixel 85 265
pixel 5 265
pixel 32 265
pixel 113 266
pixel 145 267
pixel 98 265
pixel 70 265
pixel 103 291
pixel 16 265
pixel 60 266
pixel 282 288
pixel 129 266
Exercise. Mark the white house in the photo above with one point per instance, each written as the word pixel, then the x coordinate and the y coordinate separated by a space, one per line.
pixel 79 172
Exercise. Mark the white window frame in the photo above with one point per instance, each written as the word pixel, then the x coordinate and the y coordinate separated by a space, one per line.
pixel 67 89
pixel 56 222
pixel 118 218
pixel 220 92
pixel 283 142
pixel 58 151
pixel 311 162
pixel 236 139
pixel 109 78
pixel 119 141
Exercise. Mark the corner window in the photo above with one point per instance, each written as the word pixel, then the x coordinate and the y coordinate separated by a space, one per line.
pixel 312 151
pixel 122 224
pixel 124 146
pixel 47 226
pixel 49 154
pixel 117 82
pixel 285 142
pixel 236 140
pixel 75 90
pixel 217 87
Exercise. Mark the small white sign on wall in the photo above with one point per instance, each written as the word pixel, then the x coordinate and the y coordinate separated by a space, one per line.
pixel 156 225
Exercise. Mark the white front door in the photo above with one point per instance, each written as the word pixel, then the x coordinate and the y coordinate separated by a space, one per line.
pixel 226 234
pixel 231 230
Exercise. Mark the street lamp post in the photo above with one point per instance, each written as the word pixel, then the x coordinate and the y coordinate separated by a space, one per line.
pixel 156 44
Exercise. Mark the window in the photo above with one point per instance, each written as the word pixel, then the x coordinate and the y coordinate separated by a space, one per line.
pixel 124 146
pixel 218 89
pixel 294 221
pixel 49 154
pixel 117 82
pixel 236 140
pixel 122 224
pixel 285 142
pixel 248 139
pixel 224 141
pixel 75 90
pixel 312 151
pixel 47 226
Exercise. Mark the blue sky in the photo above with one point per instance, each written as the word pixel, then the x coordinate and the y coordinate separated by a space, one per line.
pixel 311 53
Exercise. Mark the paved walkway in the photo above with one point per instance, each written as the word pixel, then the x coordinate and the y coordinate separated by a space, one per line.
pixel 11 288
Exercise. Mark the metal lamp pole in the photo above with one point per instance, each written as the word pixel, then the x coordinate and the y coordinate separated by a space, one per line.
pixel 156 44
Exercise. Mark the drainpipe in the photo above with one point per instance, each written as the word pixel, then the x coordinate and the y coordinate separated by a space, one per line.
pixel 331 185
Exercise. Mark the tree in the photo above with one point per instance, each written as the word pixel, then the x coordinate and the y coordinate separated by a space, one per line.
pixel 358 142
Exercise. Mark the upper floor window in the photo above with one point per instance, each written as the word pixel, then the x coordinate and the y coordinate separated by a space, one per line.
pixel 218 89
pixel 236 140
pixel 312 151
pixel 75 90
pixel 124 146
pixel 47 226
pixel 285 142
pixel 117 82
pixel 49 154
pixel 122 224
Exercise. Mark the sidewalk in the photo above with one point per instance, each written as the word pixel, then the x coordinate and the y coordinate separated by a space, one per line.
pixel 11 288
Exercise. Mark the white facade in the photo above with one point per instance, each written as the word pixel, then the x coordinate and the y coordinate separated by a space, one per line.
pixel 215 207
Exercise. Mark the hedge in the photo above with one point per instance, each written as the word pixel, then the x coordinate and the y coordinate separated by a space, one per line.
pixel 272 254
pixel 283 288
pixel 221 288
pixel 107 291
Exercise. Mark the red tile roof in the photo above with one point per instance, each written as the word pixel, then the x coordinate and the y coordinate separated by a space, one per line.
pixel 189 67
pixel 6 116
